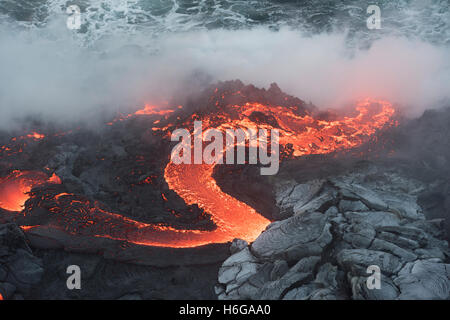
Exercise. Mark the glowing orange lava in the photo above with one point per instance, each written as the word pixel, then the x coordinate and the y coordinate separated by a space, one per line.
pixel 311 136
pixel 36 136
pixel 235 219
pixel 147 110
pixel 195 184
pixel 15 186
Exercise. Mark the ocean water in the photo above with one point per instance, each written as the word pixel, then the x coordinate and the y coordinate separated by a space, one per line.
pixel 427 20
pixel 130 52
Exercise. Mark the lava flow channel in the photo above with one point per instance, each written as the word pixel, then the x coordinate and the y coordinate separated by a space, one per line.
pixel 195 184
pixel 235 219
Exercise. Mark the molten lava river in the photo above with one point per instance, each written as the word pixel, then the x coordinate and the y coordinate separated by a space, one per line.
pixel 195 184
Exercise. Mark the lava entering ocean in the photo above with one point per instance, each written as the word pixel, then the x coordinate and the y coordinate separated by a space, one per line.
pixel 194 183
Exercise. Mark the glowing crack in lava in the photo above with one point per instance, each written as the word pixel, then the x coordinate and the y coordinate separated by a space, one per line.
pixel 15 186
pixel 195 184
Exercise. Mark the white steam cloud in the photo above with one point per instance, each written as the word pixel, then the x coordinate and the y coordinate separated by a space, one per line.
pixel 60 80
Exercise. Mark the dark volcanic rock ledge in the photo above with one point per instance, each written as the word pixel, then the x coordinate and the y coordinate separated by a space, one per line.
pixel 20 270
pixel 138 272
pixel 108 279
pixel 333 230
